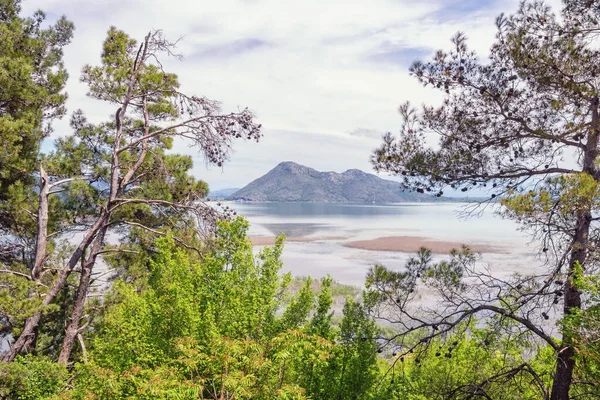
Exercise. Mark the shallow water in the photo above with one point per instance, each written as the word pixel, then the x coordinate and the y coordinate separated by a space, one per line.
pixel 330 225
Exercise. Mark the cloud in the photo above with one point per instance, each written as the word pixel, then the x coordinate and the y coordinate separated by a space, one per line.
pixel 230 49
pixel 458 9
pixel 322 77
pixel 368 133
pixel 398 54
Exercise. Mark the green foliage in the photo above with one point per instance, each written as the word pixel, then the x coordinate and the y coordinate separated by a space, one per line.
pixel 299 308
pixel 563 195
pixel 32 378
pixel 358 359
pixel 226 325
pixel 321 323
pixel 462 366
pixel 338 290
pixel 32 77
pixel 195 319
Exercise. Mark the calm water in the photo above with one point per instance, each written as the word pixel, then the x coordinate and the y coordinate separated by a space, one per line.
pixel 328 226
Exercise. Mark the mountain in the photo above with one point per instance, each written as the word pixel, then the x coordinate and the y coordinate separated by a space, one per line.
pixel 291 182
pixel 222 194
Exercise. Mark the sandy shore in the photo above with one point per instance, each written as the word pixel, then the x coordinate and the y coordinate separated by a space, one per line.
pixel 270 240
pixel 410 244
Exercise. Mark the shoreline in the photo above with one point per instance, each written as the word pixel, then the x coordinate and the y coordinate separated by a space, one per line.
pixel 396 244
pixel 258 240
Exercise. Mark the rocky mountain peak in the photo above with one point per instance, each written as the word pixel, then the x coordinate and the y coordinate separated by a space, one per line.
pixel 292 182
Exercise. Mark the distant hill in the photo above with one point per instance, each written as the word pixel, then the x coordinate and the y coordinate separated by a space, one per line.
pixel 291 182
pixel 222 194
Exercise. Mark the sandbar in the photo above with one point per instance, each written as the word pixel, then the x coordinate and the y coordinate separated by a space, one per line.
pixel 411 244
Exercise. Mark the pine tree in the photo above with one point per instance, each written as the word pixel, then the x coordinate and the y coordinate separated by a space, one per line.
pixel 512 125
pixel 119 177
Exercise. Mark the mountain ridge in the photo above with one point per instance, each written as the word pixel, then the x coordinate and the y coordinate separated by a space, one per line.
pixel 292 182
pixel 222 193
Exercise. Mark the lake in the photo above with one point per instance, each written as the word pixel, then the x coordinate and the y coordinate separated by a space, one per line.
pixel 344 240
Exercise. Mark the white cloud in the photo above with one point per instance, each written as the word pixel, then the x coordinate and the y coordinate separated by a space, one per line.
pixel 313 71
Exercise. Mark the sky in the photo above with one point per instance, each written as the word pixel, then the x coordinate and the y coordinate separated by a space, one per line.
pixel 324 77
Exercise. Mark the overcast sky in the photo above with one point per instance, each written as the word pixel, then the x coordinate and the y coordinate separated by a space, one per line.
pixel 324 77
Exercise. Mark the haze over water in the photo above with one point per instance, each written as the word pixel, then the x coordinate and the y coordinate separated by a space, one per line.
pixel 318 233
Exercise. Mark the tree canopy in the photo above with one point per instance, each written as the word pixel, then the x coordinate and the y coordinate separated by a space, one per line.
pixel 116 178
pixel 523 125
pixel 32 96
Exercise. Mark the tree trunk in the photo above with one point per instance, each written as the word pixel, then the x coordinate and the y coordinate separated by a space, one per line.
pixel 31 323
pixel 26 336
pixel 85 281
pixel 41 244
pixel 41 241
pixel 565 363
pixel 86 272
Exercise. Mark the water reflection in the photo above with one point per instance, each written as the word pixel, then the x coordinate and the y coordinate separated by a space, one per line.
pixel 319 209
pixel 326 227
pixel 296 229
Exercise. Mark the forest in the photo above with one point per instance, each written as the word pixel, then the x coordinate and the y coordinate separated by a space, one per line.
pixel 120 279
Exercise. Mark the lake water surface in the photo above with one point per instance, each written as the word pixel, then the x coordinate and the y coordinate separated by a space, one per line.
pixel 320 231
